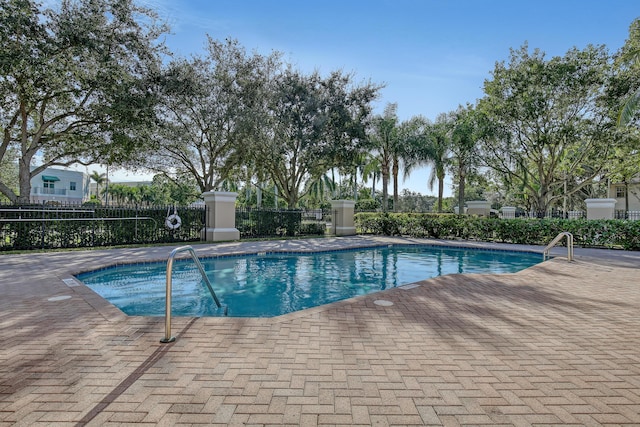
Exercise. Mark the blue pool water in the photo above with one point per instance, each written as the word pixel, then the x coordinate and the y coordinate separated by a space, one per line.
pixel 273 284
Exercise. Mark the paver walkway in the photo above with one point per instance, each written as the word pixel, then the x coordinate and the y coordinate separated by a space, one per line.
pixel 558 343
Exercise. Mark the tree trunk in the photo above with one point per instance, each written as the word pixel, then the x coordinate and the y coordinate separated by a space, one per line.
pixel 22 235
pixel 440 193
pixel 373 187
pixel 385 192
pixel 275 192
pixel 292 199
pixel 395 185
pixel 541 205
pixel 461 184
pixel 24 178
pixel 333 184
pixel 355 184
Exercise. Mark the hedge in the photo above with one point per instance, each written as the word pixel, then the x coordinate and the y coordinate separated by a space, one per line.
pixel 586 233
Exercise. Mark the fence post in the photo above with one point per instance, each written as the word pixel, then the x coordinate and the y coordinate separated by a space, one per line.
pixel 220 223
pixel 479 207
pixel 600 208
pixel 343 212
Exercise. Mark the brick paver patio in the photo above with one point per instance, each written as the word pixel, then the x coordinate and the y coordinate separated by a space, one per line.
pixel 558 343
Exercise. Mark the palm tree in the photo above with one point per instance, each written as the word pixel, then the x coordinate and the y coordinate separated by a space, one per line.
pixel 401 155
pixel 99 179
pixel 438 154
pixel 629 109
pixel 319 190
pixel 395 173
pixel 463 147
pixel 134 195
pixel 384 135
pixel 431 145
pixel 351 169
pixel 371 169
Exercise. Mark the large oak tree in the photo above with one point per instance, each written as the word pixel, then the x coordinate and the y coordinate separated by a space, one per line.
pixel 548 122
pixel 209 107
pixel 311 124
pixel 74 83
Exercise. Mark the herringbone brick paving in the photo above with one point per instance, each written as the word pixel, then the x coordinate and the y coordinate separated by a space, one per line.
pixel 558 343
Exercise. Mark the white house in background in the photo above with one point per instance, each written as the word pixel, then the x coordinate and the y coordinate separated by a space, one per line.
pixel 617 191
pixel 60 185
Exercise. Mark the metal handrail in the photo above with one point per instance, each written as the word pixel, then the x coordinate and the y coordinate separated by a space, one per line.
pixel 48 210
pixel 559 237
pixel 72 219
pixel 167 325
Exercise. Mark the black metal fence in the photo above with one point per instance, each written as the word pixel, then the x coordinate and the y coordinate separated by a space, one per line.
pixel 45 227
pixel 259 222
pixel 26 227
pixel 630 215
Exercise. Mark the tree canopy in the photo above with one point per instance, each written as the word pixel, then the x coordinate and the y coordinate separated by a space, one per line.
pixel 207 112
pixel 88 81
pixel 74 83
pixel 312 123
pixel 628 62
pixel 547 121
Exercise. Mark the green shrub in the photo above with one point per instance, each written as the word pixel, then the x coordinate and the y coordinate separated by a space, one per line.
pixel 313 228
pixel 276 222
pixel 587 233
pixel 367 205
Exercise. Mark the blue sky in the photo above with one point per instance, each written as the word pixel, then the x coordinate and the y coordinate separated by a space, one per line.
pixel 433 55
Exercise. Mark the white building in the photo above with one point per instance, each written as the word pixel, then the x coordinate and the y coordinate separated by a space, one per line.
pixel 617 191
pixel 60 185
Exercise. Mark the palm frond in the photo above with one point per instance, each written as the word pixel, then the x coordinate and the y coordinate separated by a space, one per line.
pixel 629 109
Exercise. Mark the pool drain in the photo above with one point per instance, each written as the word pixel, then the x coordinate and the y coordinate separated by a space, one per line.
pixel 383 303
pixel 60 298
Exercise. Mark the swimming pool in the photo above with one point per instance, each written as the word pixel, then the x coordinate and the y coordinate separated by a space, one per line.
pixel 271 284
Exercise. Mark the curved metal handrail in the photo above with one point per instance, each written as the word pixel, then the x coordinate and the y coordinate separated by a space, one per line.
pixel 569 236
pixel 167 325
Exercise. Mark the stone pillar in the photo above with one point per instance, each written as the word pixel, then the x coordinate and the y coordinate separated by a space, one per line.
pixel 343 211
pixel 600 208
pixel 508 212
pixel 221 216
pixel 457 208
pixel 478 207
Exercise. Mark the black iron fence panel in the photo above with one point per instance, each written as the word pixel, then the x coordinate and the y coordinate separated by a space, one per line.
pixel 259 222
pixel 630 215
pixel 28 227
pixel 24 227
